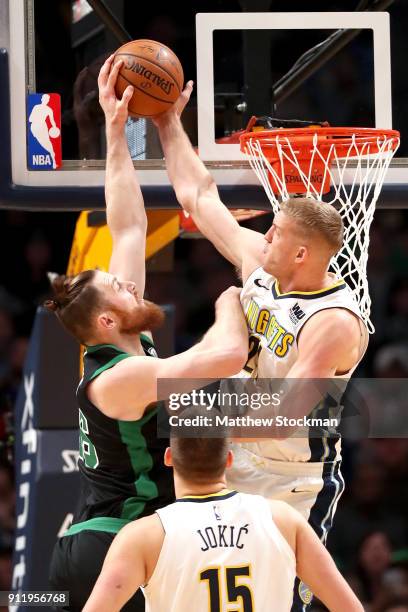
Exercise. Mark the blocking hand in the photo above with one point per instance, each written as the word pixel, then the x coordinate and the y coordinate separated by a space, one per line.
pixel 116 111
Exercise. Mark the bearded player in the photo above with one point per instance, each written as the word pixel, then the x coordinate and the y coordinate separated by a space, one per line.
pixel 120 465
pixel 303 324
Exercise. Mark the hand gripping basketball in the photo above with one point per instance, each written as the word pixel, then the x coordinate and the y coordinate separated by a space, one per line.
pixel 178 107
pixel 116 111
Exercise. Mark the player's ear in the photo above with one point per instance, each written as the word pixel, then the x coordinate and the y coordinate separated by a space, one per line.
pixel 301 254
pixel 230 459
pixel 105 321
pixel 168 460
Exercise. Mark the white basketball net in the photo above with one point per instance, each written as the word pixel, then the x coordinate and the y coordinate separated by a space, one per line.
pixel 356 180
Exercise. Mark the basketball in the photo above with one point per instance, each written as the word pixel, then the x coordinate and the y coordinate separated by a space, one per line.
pixel 154 71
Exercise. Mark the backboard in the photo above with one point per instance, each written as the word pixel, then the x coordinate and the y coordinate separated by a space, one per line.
pixel 330 62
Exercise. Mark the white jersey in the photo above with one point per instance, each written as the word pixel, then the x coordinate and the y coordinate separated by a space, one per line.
pixel 274 322
pixel 219 551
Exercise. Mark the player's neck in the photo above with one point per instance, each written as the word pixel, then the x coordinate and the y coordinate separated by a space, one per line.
pixel 130 343
pixel 187 489
pixel 302 282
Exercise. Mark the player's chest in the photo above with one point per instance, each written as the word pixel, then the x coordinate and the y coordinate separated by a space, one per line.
pixel 274 322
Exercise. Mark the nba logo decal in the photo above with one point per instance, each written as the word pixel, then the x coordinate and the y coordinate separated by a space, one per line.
pixel 44 131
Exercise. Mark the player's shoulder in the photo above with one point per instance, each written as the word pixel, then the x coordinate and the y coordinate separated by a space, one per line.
pixel 281 509
pixel 338 321
pixel 258 504
pixel 144 529
pixel 257 277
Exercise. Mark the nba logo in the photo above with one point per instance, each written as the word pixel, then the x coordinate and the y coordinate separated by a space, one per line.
pixel 44 131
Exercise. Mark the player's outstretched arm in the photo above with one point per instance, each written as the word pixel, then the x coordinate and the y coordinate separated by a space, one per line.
pixel 314 565
pixel 221 353
pixel 128 565
pixel 125 211
pixel 197 192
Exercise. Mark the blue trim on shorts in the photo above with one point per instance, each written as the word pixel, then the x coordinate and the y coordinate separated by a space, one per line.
pixel 321 520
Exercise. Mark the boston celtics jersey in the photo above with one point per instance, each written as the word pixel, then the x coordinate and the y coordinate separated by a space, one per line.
pixel 221 552
pixel 121 462
pixel 275 320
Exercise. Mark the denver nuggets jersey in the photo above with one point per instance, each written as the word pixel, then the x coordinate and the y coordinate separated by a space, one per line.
pixel 221 552
pixel 274 321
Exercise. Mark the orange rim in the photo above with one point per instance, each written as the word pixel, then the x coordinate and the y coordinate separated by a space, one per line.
pixel 365 140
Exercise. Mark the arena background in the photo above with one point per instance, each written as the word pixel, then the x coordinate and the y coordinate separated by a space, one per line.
pixel 369 540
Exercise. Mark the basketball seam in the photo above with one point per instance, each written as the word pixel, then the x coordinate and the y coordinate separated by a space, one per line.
pixel 145 92
pixel 158 66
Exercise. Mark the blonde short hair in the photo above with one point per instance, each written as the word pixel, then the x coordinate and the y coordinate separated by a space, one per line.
pixel 317 217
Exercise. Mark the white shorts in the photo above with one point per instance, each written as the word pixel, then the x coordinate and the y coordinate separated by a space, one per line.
pixel 313 489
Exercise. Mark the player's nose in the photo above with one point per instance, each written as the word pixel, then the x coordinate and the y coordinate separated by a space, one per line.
pixel 269 235
pixel 131 287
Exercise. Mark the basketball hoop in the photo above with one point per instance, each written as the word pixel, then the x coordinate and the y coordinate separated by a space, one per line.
pixel 344 166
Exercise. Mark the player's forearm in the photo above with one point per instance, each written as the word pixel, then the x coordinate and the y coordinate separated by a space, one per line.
pixel 124 200
pixel 104 598
pixel 112 590
pixel 229 329
pixel 325 582
pixel 213 359
pixel 101 603
pixel 186 171
pixel 333 591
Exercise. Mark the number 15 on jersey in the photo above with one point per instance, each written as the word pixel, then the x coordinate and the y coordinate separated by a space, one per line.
pixel 228 581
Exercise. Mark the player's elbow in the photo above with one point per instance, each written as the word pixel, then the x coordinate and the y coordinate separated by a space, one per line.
pixel 190 195
pixel 186 197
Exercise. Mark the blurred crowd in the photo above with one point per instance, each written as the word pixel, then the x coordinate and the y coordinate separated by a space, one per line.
pixel 30 245
pixel 369 540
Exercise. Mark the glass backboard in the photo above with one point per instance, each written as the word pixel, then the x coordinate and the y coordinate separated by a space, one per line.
pixel 326 63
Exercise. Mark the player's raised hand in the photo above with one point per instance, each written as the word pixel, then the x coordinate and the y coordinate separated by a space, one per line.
pixel 177 108
pixel 116 111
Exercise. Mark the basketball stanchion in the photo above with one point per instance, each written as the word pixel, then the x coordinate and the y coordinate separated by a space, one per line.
pixel 345 167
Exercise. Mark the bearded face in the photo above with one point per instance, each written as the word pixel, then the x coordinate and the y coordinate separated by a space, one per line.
pixel 145 316
pixel 132 313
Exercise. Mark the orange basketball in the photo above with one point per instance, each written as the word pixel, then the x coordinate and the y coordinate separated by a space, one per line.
pixel 155 73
